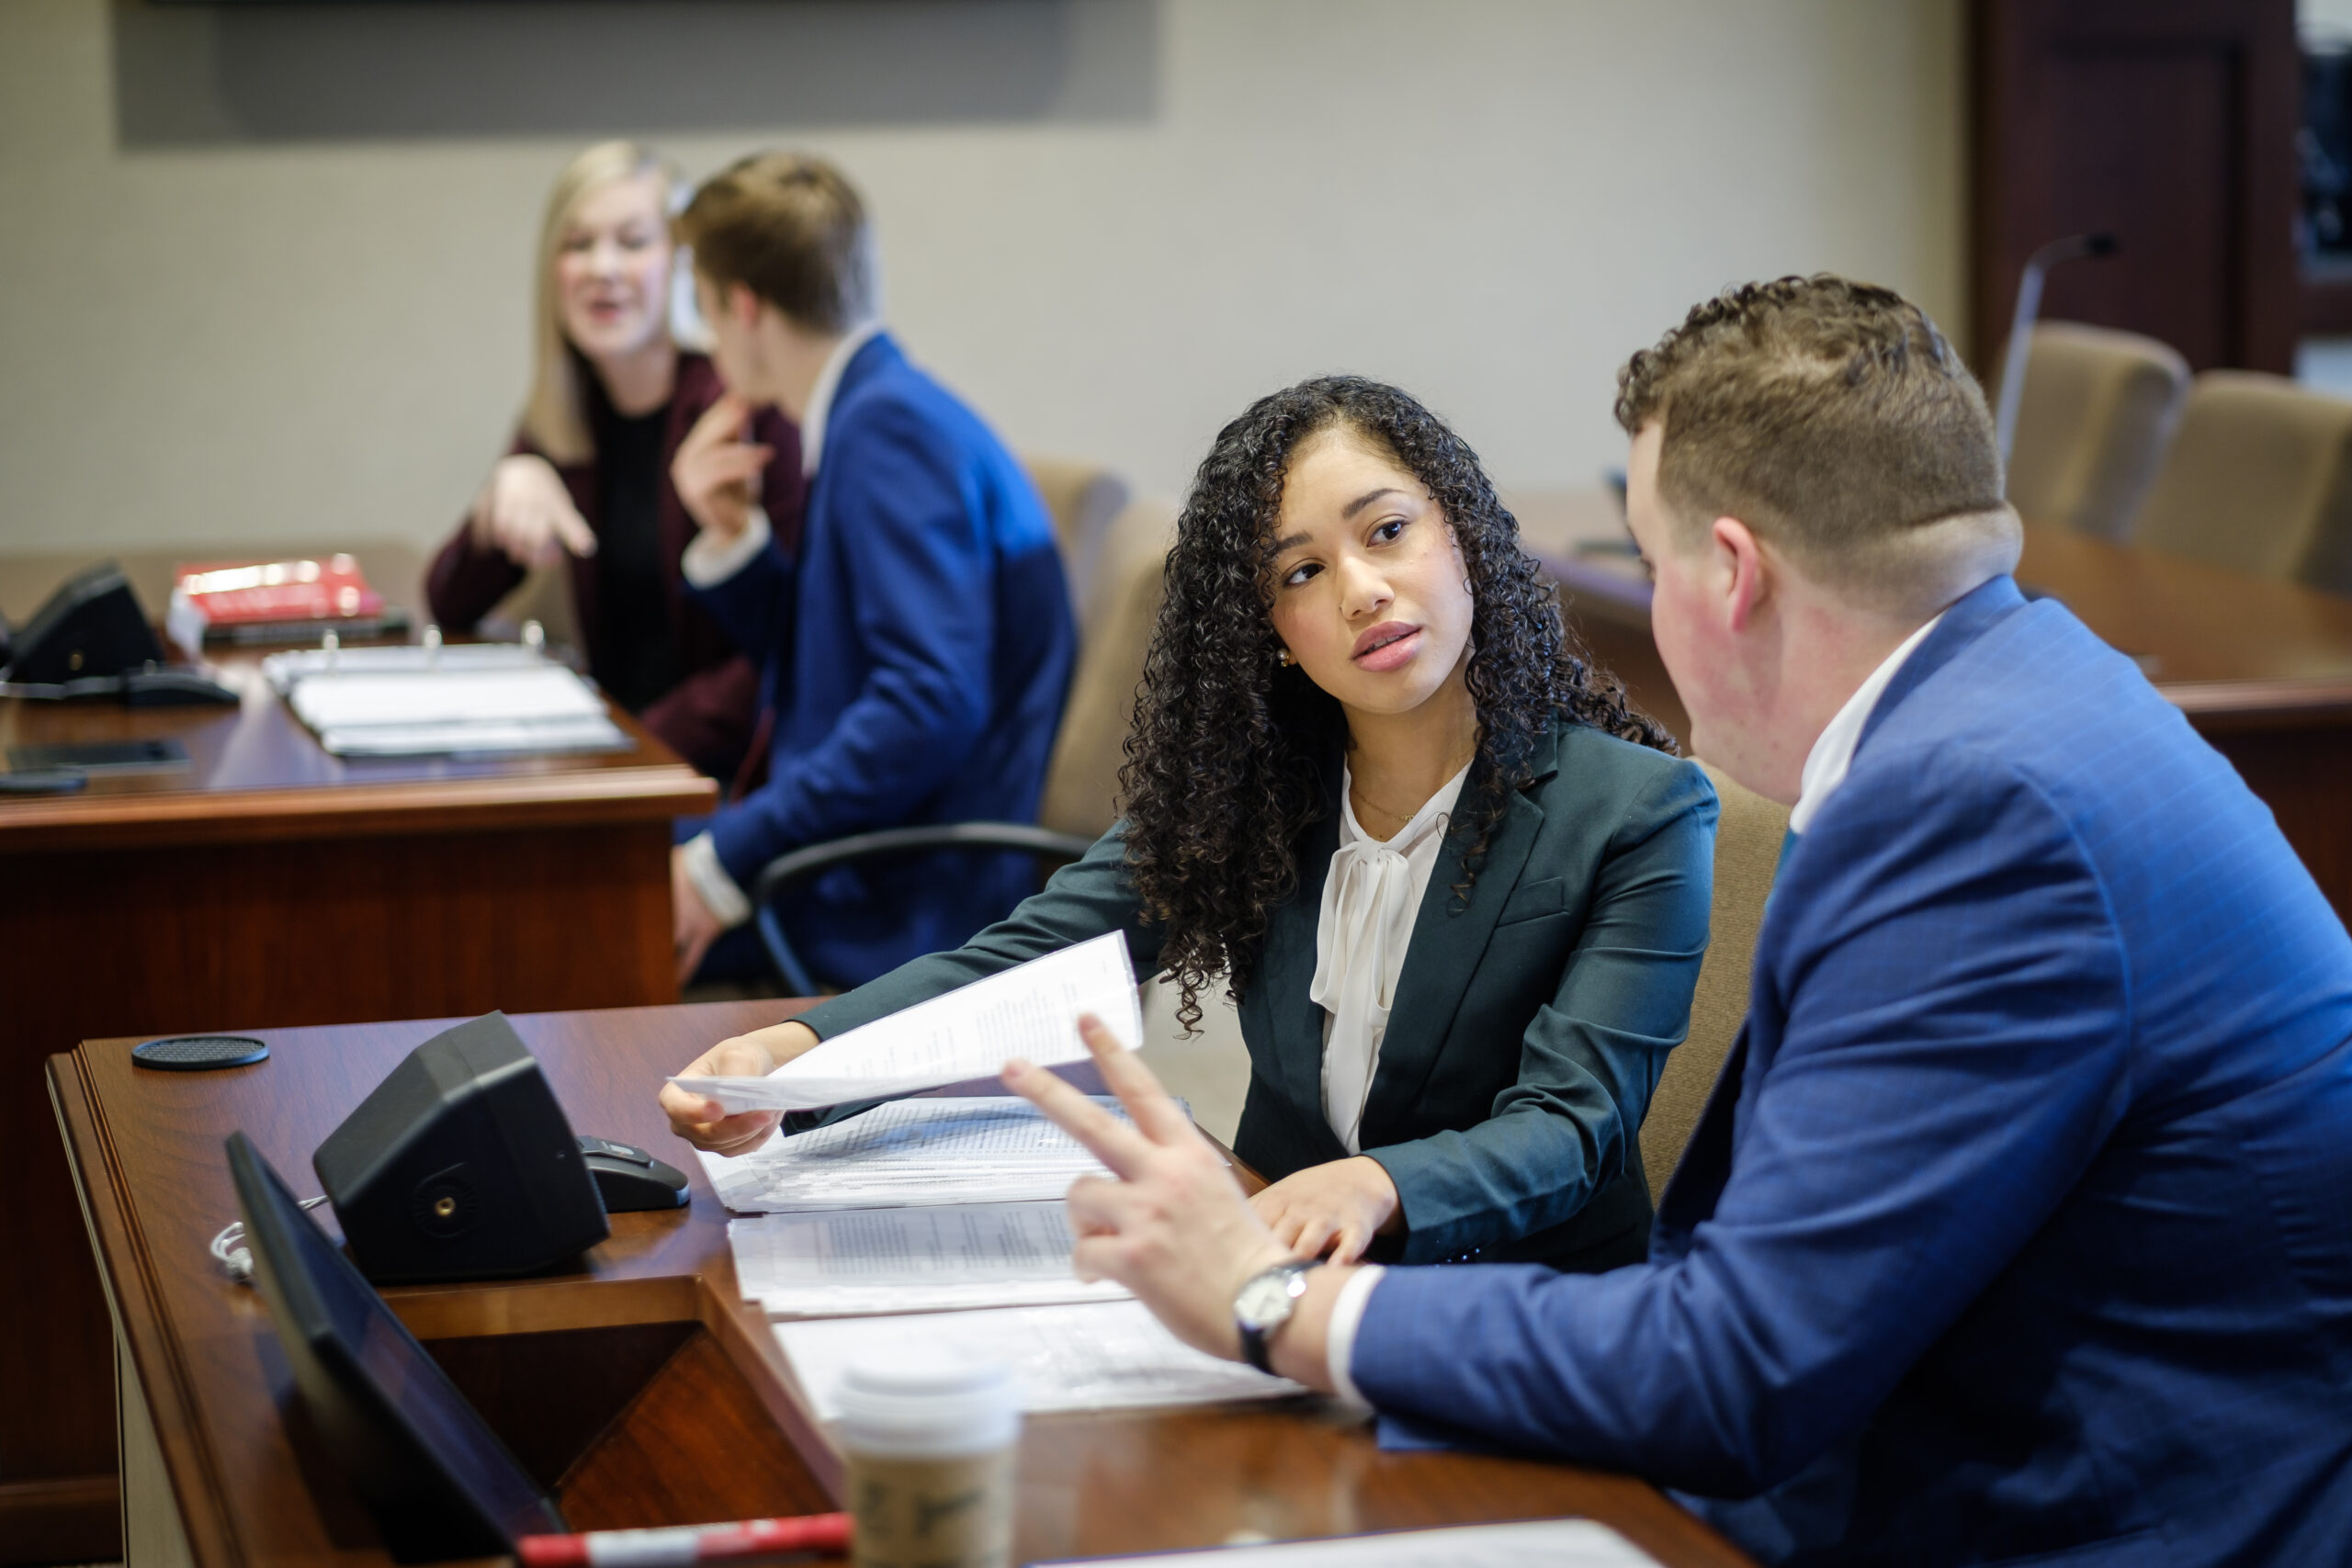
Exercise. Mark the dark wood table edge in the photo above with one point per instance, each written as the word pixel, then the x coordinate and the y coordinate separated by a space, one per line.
pixel 127 1268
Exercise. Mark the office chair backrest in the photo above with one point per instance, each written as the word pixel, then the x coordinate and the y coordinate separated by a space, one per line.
pixel 1083 502
pixel 2259 479
pixel 1747 853
pixel 2098 412
pixel 1082 781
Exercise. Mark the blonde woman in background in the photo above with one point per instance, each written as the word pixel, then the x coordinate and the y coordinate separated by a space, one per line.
pixel 586 481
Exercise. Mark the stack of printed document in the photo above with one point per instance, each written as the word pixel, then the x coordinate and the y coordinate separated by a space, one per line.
pixel 845 1262
pixel 455 711
pixel 940 1222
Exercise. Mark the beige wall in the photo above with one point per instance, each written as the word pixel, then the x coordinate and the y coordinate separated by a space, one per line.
pixel 230 309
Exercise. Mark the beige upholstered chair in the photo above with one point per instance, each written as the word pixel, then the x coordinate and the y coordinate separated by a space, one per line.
pixel 1084 502
pixel 1082 780
pixel 2098 413
pixel 2259 479
pixel 1747 853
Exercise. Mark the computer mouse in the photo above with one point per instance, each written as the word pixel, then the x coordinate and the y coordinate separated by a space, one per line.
pixel 172 687
pixel 629 1178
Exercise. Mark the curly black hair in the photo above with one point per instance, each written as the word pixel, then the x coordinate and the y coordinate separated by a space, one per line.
pixel 1226 753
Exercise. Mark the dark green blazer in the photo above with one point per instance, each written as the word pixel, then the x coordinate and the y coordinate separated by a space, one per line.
pixel 1531 1023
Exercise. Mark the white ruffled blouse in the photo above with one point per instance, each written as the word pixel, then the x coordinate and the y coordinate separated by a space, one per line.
pixel 1369 898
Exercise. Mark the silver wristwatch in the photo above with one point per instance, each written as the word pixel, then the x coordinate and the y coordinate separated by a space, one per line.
pixel 1264 1303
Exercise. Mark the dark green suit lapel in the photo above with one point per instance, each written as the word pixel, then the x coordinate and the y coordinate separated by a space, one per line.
pixel 1286 964
pixel 1448 940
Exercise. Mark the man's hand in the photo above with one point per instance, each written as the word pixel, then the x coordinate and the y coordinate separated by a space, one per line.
pixel 716 472
pixel 1173 1227
pixel 704 1122
pixel 524 512
pixel 1337 1207
pixel 692 928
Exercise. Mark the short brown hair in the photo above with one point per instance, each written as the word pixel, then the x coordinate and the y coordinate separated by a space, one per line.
pixel 1833 418
pixel 790 229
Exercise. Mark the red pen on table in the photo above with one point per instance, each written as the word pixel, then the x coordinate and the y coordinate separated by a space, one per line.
pixel 675 1546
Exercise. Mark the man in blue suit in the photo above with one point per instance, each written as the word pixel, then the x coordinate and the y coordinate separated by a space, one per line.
pixel 2018 1228
pixel 915 646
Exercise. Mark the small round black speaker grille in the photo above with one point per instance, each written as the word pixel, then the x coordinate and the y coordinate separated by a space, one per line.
pixel 199 1053
pixel 445 1203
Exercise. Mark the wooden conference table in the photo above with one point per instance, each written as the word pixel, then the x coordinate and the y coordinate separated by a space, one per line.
pixel 2263 669
pixel 638 1384
pixel 271 884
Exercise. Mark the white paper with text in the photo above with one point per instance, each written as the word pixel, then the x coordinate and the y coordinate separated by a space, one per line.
pixel 1099 1356
pixel 846 1262
pixel 1031 1010
pixel 1552 1543
pixel 910 1153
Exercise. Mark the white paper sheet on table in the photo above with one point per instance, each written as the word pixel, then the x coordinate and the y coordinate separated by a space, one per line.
pixel 1555 1543
pixel 848 1263
pixel 1031 1009
pixel 1100 1356
pixel 909 1153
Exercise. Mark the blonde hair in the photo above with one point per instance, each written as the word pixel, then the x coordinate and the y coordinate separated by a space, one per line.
pixel 554 415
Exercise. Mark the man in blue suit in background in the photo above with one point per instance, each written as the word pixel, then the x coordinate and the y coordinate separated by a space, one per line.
pixel 915 646
pixel 2018 1228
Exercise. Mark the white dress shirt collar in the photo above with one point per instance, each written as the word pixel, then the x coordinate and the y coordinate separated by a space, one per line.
pixel 1825 765
pixel 820 396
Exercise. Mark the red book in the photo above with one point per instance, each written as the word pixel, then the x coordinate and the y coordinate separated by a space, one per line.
pixel 220 599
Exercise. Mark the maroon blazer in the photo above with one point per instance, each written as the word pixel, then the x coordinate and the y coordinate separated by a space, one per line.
pixel 707 717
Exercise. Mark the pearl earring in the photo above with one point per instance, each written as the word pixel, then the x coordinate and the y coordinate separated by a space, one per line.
pixel 1283 658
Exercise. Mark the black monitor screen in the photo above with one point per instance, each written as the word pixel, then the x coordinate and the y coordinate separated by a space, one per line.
pixel 440 1482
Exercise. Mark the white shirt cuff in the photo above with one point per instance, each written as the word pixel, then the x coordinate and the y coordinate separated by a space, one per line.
pixel 710 880
pixel 710 560
pixel 1340 1336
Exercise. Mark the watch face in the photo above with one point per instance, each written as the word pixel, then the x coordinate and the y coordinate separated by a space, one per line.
pixel 1264 1301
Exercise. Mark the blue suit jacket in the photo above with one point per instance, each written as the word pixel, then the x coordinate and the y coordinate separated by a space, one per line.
pixel 915 652
pixel 2024 1231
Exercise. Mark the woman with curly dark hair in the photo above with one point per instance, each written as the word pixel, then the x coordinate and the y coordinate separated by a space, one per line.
pixel 1458 888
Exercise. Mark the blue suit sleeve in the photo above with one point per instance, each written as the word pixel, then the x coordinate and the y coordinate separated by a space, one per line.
pixel 921 572
pixel 754 607
pixel 1589 1060
pixel 1954 1055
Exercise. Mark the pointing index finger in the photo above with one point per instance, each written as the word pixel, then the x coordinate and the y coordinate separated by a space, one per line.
pixel 1108 1139
pixel 1149 1105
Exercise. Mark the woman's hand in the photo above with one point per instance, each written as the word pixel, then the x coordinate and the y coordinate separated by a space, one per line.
pixel 716 472
pixel 703 1121
pixel 527 514
pixel 1337 1207
pixel 1172 1225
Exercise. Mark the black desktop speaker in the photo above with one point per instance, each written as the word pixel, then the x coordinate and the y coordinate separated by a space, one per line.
pixel 92 626
pixel 460 1165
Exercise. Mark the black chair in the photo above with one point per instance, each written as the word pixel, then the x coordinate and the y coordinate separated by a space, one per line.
pixel 801 866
